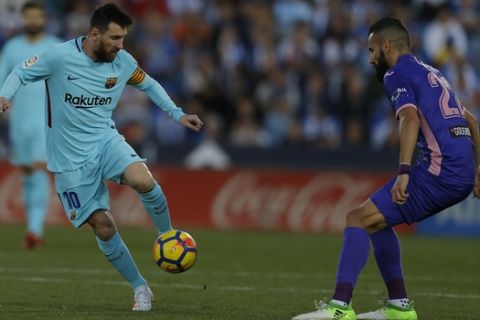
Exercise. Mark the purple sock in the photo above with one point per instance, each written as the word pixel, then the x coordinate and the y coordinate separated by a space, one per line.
pixel 353 258
pixel 386 248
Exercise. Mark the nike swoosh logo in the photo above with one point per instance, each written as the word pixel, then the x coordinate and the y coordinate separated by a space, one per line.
pixel 133 155
pixel 70 77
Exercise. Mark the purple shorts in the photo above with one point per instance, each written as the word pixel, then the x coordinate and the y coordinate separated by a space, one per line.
pixel 429 195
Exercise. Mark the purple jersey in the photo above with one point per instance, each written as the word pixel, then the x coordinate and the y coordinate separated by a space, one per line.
pixel 444 136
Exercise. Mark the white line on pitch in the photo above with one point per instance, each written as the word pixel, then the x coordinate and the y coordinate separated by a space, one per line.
pixel 240 288
pixel 238 274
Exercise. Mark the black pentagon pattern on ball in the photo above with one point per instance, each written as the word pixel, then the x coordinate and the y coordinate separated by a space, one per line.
pixel 177 263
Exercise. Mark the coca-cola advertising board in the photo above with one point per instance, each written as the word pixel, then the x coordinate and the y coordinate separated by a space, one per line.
pixel 311 201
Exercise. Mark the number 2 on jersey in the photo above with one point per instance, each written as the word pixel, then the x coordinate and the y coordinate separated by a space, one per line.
pixel 443 101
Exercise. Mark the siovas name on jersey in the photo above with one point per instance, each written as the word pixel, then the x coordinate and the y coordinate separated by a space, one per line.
pixel 87 102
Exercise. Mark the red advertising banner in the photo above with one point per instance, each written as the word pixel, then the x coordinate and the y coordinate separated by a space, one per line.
pixel 308 201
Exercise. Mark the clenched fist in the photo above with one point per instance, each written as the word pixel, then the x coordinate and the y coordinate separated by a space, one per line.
pixel 192 121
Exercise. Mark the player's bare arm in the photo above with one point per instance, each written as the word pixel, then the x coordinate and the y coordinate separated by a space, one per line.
pixel 474 131
pixel 409 124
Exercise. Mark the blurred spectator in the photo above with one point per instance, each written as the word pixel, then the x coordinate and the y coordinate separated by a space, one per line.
pixel 278 121
pixel 10 19
pixel 77 21
pixel 208 154
pixel 289 12
pixel 463 78
pixel 246 130
pixel 444 37
pixel 354 133
pixel 272 73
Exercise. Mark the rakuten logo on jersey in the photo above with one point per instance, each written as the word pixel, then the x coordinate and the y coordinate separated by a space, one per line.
pixel 87 102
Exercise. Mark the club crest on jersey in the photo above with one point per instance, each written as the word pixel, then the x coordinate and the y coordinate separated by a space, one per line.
pixel 31 61
pixel 110 83
pixel 73 215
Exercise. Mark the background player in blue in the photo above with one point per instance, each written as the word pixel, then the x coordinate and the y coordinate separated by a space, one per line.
pixel 85 78
pixel 430 115
pixel 27 120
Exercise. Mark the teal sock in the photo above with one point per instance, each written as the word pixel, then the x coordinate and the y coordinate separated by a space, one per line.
pixel 117 253
pixel 27 195
pixel 156 205
pixel 38 197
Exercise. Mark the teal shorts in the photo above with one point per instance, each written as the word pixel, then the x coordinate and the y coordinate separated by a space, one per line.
pixel 83 191
pixel 28 146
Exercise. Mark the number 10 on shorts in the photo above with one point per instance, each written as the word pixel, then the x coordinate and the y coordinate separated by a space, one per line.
pixel 71 199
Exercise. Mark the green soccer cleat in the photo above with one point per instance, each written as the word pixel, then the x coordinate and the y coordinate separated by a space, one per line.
pixel 390 312
pixel 328 311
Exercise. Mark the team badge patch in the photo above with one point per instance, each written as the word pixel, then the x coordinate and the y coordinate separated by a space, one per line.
pixel 110 83
pixel 30 62
pixel 73 215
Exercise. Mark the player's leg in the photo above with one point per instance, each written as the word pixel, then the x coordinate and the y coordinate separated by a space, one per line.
pixel 123 165
pixel 85 199
pixel 29 153
pixel 117 253
pixel 386 248
pixel 354 255
pixel 355 250
pixel 36 186
pixel 137 176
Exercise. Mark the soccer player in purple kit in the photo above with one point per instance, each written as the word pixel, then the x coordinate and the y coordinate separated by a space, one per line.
pixel 429 115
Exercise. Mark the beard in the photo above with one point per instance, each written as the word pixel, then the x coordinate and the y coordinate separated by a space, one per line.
pixel 381 68
pixel 33 31
pixel 103 55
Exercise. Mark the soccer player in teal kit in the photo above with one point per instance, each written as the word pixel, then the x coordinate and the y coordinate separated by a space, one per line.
pixel 446 133
pixel 27 120
pixel 84 78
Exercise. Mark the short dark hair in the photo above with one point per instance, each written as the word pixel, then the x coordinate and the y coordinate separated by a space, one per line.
pixel 392 28
pixel 107 13
pixel 32 5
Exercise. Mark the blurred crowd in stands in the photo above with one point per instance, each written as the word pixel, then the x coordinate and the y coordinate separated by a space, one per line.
pixel 272 73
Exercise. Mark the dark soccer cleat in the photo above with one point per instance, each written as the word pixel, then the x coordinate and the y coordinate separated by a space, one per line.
pixel 32 242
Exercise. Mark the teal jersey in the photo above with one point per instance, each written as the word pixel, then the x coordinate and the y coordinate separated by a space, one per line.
pixel 28 112
pixel 81 96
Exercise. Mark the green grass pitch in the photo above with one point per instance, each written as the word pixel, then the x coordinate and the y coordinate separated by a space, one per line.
pixel 238 275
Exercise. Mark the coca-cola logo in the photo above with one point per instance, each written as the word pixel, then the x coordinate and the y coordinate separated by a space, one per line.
pixel 319 203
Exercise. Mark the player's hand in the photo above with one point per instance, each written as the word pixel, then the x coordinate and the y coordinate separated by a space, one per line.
pixel 476 187
pixel 399 189
pixel 4 104
pixel 192 121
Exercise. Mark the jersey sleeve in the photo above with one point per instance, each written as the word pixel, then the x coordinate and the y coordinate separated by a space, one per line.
pixel 159 96
pixel 137 77
pixel 5 63
pixel 142 81
pixel 39 67
pixel 399 91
